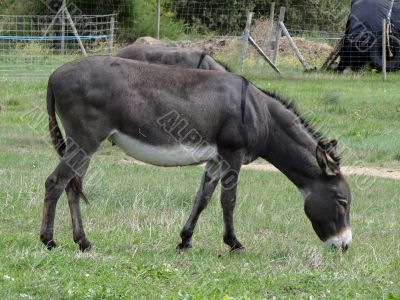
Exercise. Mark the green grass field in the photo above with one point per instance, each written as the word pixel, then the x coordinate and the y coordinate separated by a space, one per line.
pixel 137 211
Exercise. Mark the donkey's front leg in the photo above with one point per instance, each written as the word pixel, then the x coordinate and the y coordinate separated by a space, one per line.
pixel 229 179
pixel 209 181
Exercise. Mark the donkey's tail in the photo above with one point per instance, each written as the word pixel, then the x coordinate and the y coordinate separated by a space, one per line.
pixel 58 141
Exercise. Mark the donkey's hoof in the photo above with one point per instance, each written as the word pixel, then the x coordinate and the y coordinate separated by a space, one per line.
pixel 238 249
pixel 47 240
pixel 84 245
pixel 50 244
pixel 183 247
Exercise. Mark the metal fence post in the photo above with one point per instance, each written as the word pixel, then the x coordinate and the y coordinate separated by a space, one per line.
pixel 158 19
pixel 246 35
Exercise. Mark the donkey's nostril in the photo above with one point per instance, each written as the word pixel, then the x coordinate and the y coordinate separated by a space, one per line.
pixel 341 241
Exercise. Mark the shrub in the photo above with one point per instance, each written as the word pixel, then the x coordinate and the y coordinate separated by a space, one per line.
pixel 227 16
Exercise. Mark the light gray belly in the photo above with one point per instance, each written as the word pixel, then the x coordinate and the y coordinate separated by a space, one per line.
pixel 175 155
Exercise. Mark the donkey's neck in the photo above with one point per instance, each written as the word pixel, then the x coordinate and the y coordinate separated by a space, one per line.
pixel 291 147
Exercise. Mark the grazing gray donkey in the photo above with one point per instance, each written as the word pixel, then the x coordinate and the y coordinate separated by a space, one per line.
pixel 168 116
pixel 182 57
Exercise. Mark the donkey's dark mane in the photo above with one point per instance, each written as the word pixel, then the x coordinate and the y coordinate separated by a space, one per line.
pixel 318 136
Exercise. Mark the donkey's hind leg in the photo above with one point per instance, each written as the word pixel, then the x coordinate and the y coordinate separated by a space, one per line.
pixel 73 196
pixel 70 165
pixel 208 183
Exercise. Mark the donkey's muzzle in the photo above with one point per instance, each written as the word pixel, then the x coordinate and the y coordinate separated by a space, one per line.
pixel 341 240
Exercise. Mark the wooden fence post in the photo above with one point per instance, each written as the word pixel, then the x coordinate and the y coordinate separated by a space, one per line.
pixel 384 37
pixel 158 21
pixel 71 23
pixel 263 55
pixel 293 45
pixel 63 28
pixel 111 40
pixel 278 34
pixel 270 30
pixel 246 34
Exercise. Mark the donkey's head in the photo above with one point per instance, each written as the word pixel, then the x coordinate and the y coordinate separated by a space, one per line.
pixel 327 200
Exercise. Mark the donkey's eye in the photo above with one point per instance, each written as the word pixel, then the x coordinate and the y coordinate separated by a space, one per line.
pixel 342 202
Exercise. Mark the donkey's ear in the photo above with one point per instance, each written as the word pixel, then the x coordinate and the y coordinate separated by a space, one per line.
pixel 331 146
pixel 326 163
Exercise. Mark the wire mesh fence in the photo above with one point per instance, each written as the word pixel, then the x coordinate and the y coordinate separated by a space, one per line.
pixel 202 17
pixel 315 29
pixel 38 43
pixel 42 43
pixel 326 34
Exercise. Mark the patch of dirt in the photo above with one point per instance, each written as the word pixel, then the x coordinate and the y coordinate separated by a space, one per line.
pixel 307 48
pixel 210 45
pixel 347 170
pixel 213 45
pixel 373 172
pixel 149 41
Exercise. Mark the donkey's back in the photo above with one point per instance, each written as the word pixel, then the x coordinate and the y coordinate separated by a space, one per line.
pixel 137 105
pixel 182 57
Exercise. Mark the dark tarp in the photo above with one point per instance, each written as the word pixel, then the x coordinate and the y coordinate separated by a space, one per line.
pixel 362 44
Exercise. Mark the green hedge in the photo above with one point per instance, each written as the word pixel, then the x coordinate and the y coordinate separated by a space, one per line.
pixel 227 16
pixel 137 17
